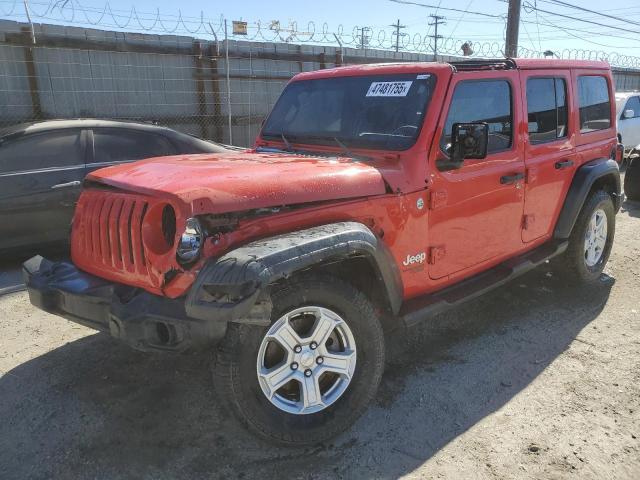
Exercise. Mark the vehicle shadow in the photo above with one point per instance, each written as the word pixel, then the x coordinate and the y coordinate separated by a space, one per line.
pixel 94 408
pixel 632 208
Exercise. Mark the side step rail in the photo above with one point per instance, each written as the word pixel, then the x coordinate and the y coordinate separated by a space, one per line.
pixel 422 308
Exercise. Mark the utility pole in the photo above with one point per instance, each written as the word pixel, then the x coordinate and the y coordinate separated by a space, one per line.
pixel 363 37
pixel 513 27
pixel 437 20
pixel 33 32
pixel 397 33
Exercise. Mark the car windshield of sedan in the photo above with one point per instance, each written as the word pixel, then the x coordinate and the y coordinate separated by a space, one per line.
pixel 376 112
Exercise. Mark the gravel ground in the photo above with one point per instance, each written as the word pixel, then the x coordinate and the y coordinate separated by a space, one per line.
pixel 535 380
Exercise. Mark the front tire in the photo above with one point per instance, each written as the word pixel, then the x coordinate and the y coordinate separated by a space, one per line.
pixel 312 373
pixel 590 241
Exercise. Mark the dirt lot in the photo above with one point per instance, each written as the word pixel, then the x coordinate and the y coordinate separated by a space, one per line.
pixel 536 380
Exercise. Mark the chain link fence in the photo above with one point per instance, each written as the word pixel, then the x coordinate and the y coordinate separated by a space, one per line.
pixel 219 89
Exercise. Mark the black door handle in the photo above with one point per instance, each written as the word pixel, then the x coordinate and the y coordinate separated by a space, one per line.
pixel 564 164
pixel 511 178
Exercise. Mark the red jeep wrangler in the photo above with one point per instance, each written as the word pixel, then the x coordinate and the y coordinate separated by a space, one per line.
pixel 374 197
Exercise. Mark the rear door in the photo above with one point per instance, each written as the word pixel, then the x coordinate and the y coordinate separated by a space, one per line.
pixel 111 146
pixel 476 211
pixel 40 181
pixel 549 150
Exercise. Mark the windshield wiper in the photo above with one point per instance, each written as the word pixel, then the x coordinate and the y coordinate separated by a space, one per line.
pixel 349 153
pixel 287 144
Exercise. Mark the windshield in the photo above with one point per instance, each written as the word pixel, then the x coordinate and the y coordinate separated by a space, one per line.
pixel 377 112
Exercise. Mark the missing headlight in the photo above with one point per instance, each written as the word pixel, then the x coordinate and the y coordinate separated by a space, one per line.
pixel 169 225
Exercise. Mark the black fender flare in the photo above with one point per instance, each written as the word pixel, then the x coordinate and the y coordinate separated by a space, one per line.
pixel 581 185
pixel 232 287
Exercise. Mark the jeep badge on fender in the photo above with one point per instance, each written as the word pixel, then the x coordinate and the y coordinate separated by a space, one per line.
pixel 291 260
pixel 411 259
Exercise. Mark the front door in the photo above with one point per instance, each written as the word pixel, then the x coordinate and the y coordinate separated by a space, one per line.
pixel 476 210
pixel 40 181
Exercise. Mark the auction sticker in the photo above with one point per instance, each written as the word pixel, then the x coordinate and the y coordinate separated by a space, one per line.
pixel 389 89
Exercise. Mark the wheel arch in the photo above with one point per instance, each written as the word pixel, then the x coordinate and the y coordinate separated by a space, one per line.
pixel 601 174
pixel 237 284
pixel 362 272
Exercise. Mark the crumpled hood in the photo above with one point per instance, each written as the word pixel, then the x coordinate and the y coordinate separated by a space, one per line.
pixel 238 181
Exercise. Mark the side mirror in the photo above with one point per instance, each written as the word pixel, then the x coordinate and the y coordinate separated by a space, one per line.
pixel 628 114
pixel 468 140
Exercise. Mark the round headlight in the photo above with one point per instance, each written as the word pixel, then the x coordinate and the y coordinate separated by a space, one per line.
pixel 190 241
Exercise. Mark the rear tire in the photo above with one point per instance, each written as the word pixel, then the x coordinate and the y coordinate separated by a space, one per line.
pixel 632 180
pixel 590 240
pixel 284 413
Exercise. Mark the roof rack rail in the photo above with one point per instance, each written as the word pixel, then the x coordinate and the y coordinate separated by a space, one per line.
pixel 489 64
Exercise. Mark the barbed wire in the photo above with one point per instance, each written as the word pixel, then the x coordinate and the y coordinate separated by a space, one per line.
pixel 367 37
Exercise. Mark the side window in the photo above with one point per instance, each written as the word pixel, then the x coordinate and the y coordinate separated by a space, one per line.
pixel 633 104
pixel 118 145
pixel 55 149
pixel 595 106
pixel 561 102
pixel 546 109
pixel 482 101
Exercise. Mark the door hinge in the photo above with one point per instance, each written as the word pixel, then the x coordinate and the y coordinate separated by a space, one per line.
pixel 528 221
pixel 436 253
pixel 437 199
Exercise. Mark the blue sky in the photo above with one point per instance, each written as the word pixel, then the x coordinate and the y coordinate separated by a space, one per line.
pixel 539 30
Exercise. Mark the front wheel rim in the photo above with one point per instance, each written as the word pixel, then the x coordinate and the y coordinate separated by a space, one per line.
pixel 595 238
pixel 303 371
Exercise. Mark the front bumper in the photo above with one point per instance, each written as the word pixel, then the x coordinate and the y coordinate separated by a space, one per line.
pixel 140 319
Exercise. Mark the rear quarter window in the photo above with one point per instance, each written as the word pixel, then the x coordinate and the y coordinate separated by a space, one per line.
pixel 594 103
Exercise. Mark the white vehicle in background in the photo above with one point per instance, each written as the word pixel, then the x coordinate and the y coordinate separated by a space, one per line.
pixel 628 115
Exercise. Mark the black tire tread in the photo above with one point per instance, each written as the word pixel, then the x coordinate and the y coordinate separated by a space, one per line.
pixel 570 264
pixel 632 180
pixel 226 371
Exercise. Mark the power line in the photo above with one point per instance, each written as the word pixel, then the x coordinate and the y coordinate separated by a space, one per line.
pixel 530 7
pixel 588 16
pixel 580 30
pixel 529 36
pixel 538 26
pixel 424 5
pixel 455 27
pixel 570 5
pixel 547 22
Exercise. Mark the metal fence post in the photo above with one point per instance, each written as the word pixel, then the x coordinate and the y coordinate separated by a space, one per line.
pixel 226 44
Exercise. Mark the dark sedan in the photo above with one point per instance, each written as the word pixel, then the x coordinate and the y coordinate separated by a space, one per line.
pixel 42 166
